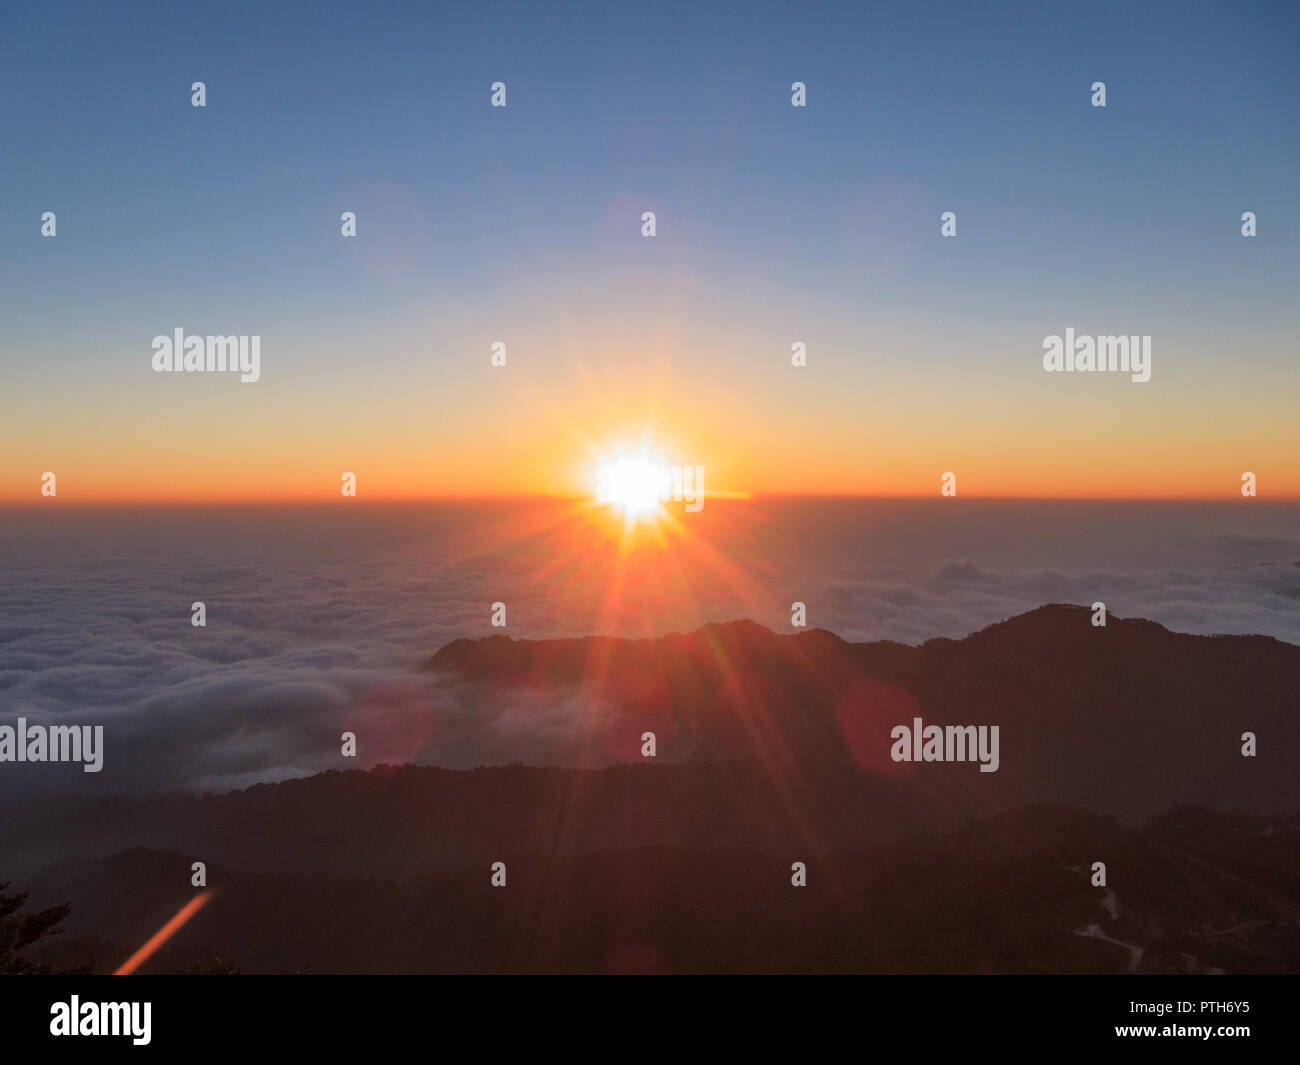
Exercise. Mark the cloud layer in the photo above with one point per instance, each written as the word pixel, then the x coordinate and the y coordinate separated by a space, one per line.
pixel 310 634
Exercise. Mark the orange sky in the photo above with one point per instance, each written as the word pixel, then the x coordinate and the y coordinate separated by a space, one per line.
pixel 544 427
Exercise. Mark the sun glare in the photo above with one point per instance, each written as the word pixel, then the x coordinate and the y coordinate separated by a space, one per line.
pixel 632 485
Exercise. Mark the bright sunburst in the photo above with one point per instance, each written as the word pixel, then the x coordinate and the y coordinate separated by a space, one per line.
pixel 632 485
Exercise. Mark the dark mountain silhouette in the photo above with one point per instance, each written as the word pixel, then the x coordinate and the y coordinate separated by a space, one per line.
pixel 404 821
pixel 764 741
pixel 771 749
pixel 1009 894
pixel 1127 719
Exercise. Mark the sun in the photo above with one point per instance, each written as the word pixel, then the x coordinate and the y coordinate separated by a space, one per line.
pixel 634 485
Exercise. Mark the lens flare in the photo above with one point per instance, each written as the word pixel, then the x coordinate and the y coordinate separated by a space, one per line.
pixel 163 934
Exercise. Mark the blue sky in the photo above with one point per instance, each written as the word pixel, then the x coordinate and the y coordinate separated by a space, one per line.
pixel 982 109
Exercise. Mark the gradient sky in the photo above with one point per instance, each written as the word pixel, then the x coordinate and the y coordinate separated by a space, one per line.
pixel 522 225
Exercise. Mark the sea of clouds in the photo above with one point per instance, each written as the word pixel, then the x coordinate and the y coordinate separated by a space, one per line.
pixel 317 626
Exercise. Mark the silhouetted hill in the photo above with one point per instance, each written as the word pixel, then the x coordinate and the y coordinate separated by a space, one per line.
pixel 403 821
pixel 1129 718
pixel 1009 894
pixel 767 742
pixel 770 749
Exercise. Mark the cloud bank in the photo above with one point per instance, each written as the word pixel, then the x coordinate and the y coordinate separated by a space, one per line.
pixel 308 637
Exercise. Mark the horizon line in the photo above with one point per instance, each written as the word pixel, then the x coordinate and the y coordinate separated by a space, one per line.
pixel 533 497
